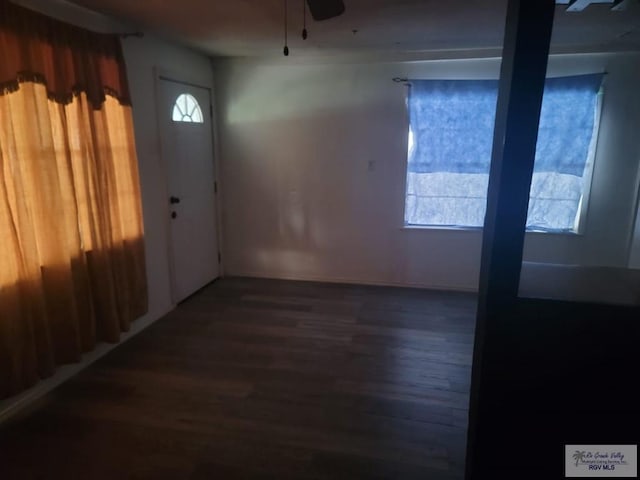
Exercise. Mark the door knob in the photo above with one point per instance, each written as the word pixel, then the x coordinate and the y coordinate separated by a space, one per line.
pixel 173 200
pixel 174 214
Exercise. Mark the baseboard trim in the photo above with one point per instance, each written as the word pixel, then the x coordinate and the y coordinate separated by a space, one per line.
pixel 350 281
pixel 13 405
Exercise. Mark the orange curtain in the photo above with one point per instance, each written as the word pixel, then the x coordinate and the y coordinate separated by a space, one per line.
pixel 66 59
pixel 72 269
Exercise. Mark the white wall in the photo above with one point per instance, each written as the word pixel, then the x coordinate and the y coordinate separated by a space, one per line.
pixel 634 254
pixel 313 165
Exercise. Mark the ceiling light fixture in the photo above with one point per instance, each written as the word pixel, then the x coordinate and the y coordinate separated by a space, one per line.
pixel 286 47
pixel 325 9
pixel 320 10
pixel 304 19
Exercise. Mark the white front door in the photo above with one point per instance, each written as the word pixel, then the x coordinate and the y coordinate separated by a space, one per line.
pixel 187 151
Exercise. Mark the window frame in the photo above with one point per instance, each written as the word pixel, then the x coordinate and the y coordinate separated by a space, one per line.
pixel 197 109
pixel 583 207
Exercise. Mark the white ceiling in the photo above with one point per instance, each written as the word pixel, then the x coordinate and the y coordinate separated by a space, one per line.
pixel 256 27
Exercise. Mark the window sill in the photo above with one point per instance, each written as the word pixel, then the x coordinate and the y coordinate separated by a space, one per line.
pixel 566 234
pixel 445 228
pixel 441 228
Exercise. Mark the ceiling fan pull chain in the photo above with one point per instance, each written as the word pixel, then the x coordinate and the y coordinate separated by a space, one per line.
pixel 286 47
pixel 304 19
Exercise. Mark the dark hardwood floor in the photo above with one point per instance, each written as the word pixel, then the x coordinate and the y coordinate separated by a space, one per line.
pixel 266 379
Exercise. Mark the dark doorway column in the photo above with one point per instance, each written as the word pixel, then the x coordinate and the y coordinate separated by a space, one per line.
pixel 524 64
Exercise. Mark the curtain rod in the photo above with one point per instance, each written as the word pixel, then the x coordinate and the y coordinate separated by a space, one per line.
pixel 131 34
pixel 407 82
pixel 404 81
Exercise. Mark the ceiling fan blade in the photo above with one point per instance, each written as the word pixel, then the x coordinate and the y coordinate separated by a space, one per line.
pixel 325 9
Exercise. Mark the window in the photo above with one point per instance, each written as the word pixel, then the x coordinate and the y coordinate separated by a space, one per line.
pixel 450 143
pixel 186 109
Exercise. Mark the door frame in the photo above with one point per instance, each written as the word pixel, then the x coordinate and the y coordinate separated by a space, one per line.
pixel 163 74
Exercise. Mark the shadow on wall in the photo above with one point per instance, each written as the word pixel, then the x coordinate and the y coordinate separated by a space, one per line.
pixel 300 198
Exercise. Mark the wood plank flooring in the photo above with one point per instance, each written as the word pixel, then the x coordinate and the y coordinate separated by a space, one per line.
pixel 256 378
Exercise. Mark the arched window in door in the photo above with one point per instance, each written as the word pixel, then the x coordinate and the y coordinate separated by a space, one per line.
pixel 186 109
